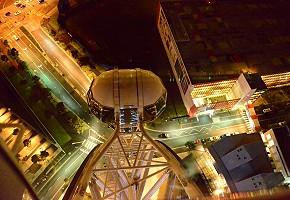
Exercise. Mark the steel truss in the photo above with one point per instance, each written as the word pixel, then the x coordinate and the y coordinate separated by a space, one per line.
pixel 125 167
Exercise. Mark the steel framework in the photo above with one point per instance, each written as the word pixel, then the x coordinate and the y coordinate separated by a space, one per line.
pixel 125 166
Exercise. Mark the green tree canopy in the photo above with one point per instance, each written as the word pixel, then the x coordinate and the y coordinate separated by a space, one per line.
pixel 190 144
pixel 35 158
pixel 26 142
pixel 44 154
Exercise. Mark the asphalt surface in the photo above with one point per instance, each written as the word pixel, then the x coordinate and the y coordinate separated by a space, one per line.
pixel 53 188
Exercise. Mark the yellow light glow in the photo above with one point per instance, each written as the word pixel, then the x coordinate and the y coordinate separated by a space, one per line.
pixel 218 192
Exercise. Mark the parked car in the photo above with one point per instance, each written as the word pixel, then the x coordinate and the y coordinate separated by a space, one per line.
pixel 8 14
pixel 17 12
pixel 40 1
pixel 23 6
pixel 17 2
pixel 267 110
pixel 18 5
pixel 15 37
pixel 282 123
pixel 163 135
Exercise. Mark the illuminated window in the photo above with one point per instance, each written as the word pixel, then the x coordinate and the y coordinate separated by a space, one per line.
pixel 268 136
pixel 271 143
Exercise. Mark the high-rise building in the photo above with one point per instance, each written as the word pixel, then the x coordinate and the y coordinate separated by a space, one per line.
pixel 217 42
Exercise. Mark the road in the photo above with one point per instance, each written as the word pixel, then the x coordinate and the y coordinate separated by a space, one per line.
pixel 180 133
pixel 53 187
pixel 66 65
pixel 48 76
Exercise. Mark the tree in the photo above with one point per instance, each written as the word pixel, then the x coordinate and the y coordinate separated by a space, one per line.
pixel 35 158
pixel 26 142
pixel 48 114
pixel 23 82
pixel 60 107
pixel 5 43
pixel 14 52
pixel 79 125
pixel 15 131
pixel 75 54
pixel 21 64
pixel 190 144
pixel 44 154
pixel 4 58
pixel 85 60
pixel 52 32
pixel 12 70
pixel 35 79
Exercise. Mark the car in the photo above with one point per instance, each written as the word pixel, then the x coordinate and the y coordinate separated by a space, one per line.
pixel 64 187
pixel 18 5
pixel 15 37
pixel 27 1
pixel 17 2
pixel 163 135
pixel 8 14
pixel 282 123
pixel 267 110
pixel 17 12
pixel 23 6
pixel 40 1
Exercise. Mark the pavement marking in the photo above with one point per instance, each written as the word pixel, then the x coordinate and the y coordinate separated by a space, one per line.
pixel 49 189
pixel 74 161
pixel 56 172
pixel 58 178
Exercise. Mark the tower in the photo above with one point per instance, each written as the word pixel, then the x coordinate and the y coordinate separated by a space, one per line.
pixel 124 166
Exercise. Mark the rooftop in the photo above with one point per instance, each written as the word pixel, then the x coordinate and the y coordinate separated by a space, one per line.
pixel 223 40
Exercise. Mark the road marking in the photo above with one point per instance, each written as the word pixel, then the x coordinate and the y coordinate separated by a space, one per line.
pixel 58 178
pixel 49 189
pixel 56 172
pixel 74 161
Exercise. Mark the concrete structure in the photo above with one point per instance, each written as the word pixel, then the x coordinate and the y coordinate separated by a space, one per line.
pixel 124 166
pixel 242 159
pixel 278 140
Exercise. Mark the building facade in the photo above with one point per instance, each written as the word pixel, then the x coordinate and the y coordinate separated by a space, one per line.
pixel 278 140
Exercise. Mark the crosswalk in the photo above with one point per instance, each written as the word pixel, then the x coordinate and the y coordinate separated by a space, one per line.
pixel 89 144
